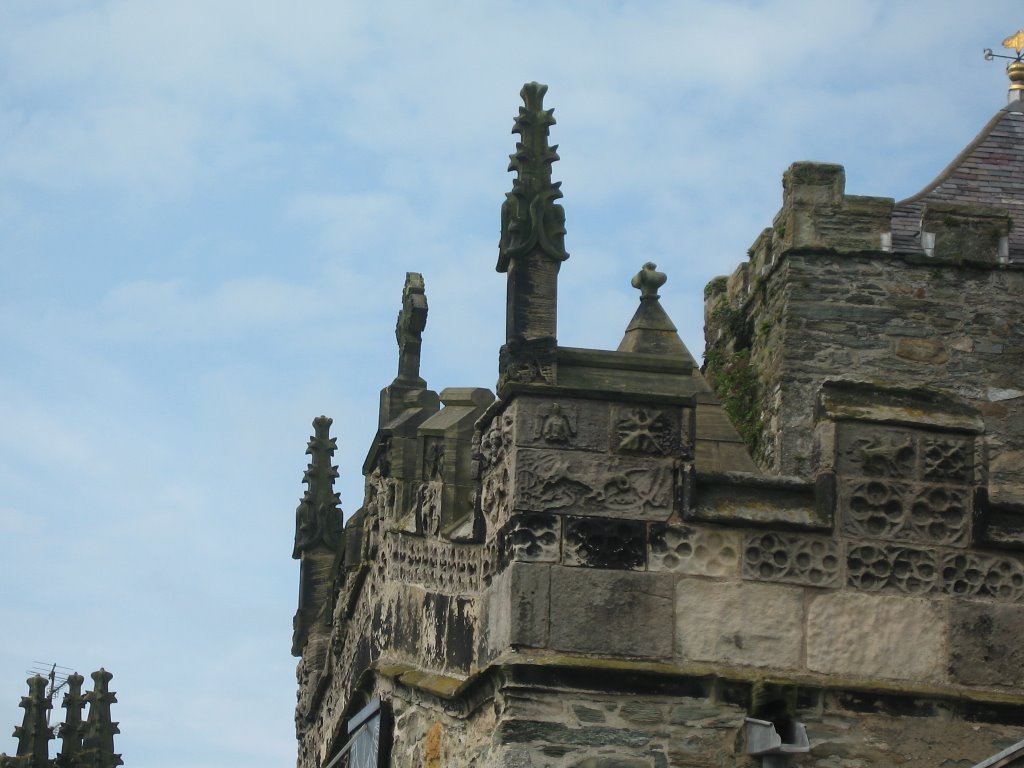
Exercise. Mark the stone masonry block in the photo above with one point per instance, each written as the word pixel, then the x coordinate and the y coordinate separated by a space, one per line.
pixel 611 612
pixel 984 644
pixel 877 636
pixel 516 610
pixel 739 623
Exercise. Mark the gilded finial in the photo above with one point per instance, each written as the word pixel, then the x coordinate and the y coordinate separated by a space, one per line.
pixel 648 280
pixel 1015 68
pixel 530 219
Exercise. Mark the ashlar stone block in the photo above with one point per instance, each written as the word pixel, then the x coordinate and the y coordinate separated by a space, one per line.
pixel 611 612
pixel 985 644
pixel 759 625
pixel 877 636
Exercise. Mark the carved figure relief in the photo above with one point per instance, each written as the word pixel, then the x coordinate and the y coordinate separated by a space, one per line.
pixel 556 425
pixel 792 558
pixel 380 495
pixel 697 551
pixel 433 458
pixel 428 508
pixel 600 543
pixel 559 481
pixel 496 476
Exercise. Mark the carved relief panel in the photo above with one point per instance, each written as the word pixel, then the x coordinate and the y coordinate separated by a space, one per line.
pixel 904 485
pixel 594 484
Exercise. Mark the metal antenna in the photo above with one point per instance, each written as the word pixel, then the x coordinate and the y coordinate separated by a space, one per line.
pixel 57 677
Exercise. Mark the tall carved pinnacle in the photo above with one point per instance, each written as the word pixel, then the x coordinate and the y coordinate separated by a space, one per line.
pixel 71 732
pixel 412 319
pixel 530 218
pixel 98 743
pixel 318 519
pixel 34 734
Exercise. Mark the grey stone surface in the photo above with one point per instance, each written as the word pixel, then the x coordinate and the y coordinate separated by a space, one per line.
pixel 759 625
pixel 985 644
pixel 614 612
pixel 877 636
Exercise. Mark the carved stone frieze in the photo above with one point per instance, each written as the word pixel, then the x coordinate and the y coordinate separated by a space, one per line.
pixel 495 471
pixel 875 508
pixel 877 567
pixel 696 551
pixel 602 543
pixel 974 574
pixel 428 507
pixel 532 538
pixel 622 487
pixel 434 564
pixel 885 509
pixel 792 558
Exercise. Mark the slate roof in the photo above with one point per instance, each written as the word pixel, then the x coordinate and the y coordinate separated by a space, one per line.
pixel 989 172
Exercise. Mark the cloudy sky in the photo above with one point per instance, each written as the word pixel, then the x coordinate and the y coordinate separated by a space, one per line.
pixel 207 208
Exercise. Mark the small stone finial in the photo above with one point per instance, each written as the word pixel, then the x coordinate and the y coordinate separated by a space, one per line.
pixel 318 518
pixel 98 743
pixel 412 320
pixel 530 218
pixel 648 280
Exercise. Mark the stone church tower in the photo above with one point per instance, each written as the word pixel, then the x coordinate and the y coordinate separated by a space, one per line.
pixel 807 554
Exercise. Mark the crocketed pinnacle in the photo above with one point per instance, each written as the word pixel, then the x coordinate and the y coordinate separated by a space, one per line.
pixel 34 734
pixel 98 744
pixel 318 517
pixel 530 218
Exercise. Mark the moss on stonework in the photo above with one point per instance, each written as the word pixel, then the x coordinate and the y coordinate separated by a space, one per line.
pixel 732 320
pixel 739 390
pixel 717 285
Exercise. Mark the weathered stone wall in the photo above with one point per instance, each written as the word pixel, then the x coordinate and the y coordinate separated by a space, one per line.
pixel 811 305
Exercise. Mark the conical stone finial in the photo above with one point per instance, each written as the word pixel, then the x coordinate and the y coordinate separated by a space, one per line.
pixel 651 331
pixel 318 518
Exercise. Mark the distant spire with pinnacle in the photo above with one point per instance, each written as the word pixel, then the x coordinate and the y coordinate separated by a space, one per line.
pixel 34 734
pixel 71 731
pixel 98 743
pixel 318 519
pixel 531 250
